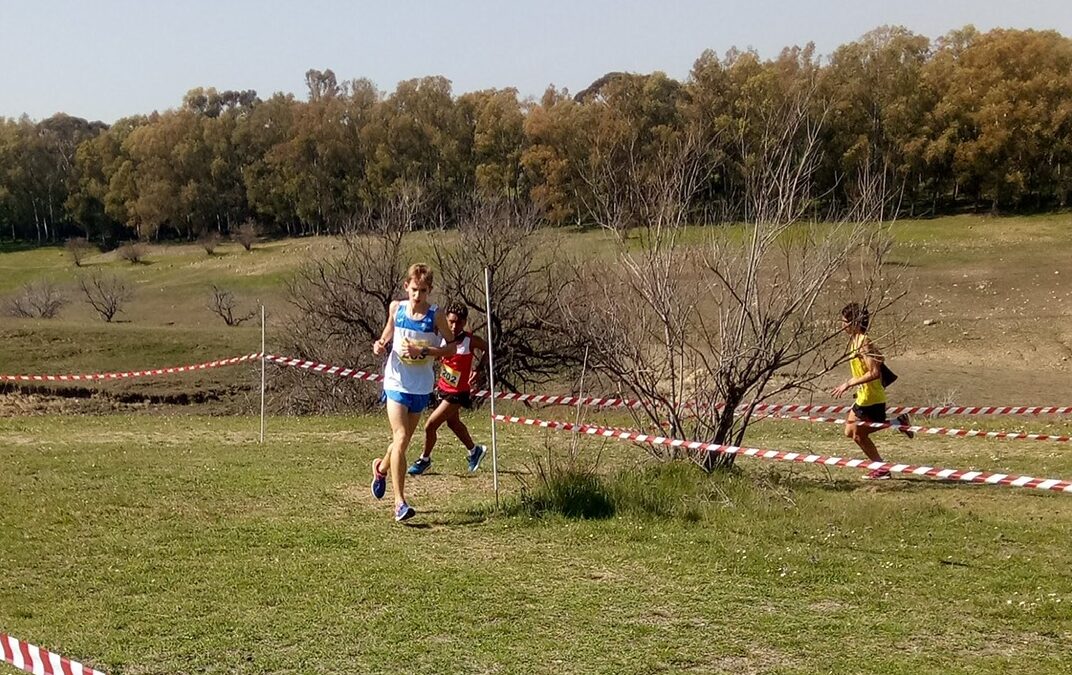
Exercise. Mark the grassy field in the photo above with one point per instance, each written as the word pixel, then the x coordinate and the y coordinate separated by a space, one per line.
pixel 994 290
pixel 164 539
pixel 147 544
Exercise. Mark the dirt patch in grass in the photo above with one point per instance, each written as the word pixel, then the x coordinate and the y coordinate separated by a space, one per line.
pixel 999 303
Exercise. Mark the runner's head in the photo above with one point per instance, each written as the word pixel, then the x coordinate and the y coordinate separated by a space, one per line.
pixel 457 316
pixel 855 318
pixel 418 283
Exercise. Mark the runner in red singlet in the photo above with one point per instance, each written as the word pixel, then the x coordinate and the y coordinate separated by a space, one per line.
pixel 454 392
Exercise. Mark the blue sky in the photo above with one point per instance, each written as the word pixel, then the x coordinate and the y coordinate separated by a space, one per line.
pixel 103 59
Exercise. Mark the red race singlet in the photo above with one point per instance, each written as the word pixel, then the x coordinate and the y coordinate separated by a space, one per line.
pixel 457 369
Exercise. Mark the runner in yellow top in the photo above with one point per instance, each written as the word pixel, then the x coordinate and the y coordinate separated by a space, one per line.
pixel 865 363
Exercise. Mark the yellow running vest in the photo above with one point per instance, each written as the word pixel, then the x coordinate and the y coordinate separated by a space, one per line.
pixel 871 392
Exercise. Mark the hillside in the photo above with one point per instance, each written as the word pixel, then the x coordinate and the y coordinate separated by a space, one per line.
pixel 993 292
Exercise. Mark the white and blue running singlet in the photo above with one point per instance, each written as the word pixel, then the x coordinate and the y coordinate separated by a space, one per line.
pixel 411 376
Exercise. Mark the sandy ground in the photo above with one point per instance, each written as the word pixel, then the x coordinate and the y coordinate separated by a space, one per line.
pixel 1001 333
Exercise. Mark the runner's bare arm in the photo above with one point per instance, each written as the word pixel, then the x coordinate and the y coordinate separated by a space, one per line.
pixel 379 347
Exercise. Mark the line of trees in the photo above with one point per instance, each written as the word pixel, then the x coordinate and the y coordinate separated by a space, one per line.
pixel 969 120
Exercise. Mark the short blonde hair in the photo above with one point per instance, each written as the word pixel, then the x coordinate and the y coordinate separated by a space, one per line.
pixel 420 272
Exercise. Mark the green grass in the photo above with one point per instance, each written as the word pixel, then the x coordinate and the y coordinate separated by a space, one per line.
pixel 173 288
pixel 153 544
pixel 164 544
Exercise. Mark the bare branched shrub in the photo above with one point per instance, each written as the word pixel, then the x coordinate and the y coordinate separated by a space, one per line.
pixel 133 252
pixel 106 294
pixel 342 304
pixel 224 304
pixel 702 332
pixel 78 249
pixel 210 241
pixel 247 234
pixel 635 311
pixel 528 276
pixel 37 300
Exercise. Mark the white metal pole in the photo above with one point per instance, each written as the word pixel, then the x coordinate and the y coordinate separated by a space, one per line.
pixel 491 384
pixel 264 360
pixel 580 397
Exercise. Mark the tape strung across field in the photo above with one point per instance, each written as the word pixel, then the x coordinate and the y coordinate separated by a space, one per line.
pixel 774 410
pixel 1050 484
pixel 133 373
pixel 39 661
pixel 765 409
pixel 762 408
pixel 354 373
pixel 935 431
pixel 791 411
pixel 925 410
pixel 768 409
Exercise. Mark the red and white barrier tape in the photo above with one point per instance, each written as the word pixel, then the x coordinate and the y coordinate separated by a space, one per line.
pixel 316 367
pixel 935 431
pixel 354 373
pixel 594 401
pixel 925 410
pixel 761 408
pixel 39 661
pixel 1050 484
pixel 132 373
pixel 769 409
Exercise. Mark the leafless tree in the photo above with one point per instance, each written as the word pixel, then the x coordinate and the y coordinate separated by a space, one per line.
pixel 106 294
pixel 528 276
pixel 37 300
pixel 224 305
pixel 247 234
pixel 702 332
pixel 341 304
pixel 78 249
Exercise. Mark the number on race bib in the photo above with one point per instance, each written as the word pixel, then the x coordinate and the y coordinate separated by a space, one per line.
pixel 451 376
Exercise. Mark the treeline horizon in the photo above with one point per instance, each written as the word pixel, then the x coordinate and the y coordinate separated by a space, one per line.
pixel 968 121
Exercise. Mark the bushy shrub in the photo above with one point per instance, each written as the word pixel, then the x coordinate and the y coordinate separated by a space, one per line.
pixel 209 241
pixel 247 234
pixel 37 300
pixel 133 252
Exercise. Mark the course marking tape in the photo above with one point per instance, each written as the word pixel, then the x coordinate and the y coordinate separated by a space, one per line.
pixel 132 373
pixel 39 661
pixel 926 410
pixel 316 367
pixel 766 409
pixel 983 477
pixel 935 431
pixel 761 410
pixel 354 373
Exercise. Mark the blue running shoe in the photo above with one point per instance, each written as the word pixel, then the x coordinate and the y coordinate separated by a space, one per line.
pixel 379 480
pixel 475 455
pixel 419 466
pixel 404 512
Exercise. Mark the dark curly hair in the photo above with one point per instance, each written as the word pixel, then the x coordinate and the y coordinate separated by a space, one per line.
pixel 856 315
pixel 458 308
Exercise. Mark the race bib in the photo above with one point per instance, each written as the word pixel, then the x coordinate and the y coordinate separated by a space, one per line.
pixel 450 376
pixel 415 360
